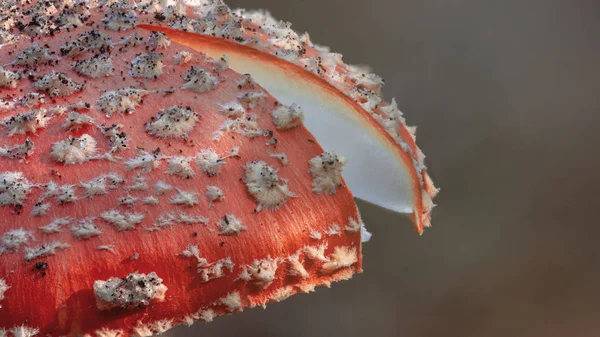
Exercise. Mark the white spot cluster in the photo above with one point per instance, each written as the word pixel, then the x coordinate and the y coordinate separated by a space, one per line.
pixel 26 122
pixel 92 40
pixel 121 101
pixel 14 188
pixel 208 271
pixel 146 65
pixel 326 170
pixel 8 78
pixel 133 290
pixel 182 57
pixel 57 84
pixel 95 66
pixel 122 221
pixel 172 122
pixel 288 116
pixel 74 150
pixel 85 229
pixel 33 55
pixel 199 80
pixel 261 272
pixel 18 151
pixel 43 250
pixel 119 16
pixel 230 225
pixel 158 40
pixel 262 182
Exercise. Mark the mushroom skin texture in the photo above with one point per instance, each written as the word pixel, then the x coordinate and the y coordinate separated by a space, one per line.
pixel 123 194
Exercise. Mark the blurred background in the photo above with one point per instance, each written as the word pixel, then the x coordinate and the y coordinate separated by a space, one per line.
pixel 506 95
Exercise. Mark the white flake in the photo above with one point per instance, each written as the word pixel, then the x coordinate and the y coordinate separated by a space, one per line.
pixel 92 40
pixel 108 248
pixel 232 109
pixel 287 117
pixel 296 268
pixel 55 226
pixel 341 257
pixel 32 99
pixel 253 98
pixel 207 315
pixel 175 121
pixel 158 40
pixel 230 225
pixel 26 122
pixel 132 40
pixel 57 84
pixel 95 66
pixel 174 218
pixel 316 253
pixel 326 170
pixel 40 209
pixel 135 289
pixel 161 187
pixel 199 80
pixel 18 151
pixel 119 16
pixel 3 288
pixel 74 150
pixel 13 239
pixel 232 301
pixel 184 198
pixel 85 229
pixel 44 250
pixel 208 271
pixel 127 200
pixel 162 326
pixel 105 332
pixel 246 82
pixel 150 200
pixel 213 193
pixel 209 162
pixel 8 78
pixel 316 235
pixel 180 166
pixel 121 101
pixel 182 57
pixel 282 157
pixel 24 331
pixel 122 220
pixel 262 272
pixel 146 65
pixel 14 188
pixel 76 121
pixel 144 161
pixel 138 184
pixel 33 55
pixel 262 182
pixel 333 230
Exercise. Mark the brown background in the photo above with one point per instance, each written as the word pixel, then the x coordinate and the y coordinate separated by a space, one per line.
pixel 505 94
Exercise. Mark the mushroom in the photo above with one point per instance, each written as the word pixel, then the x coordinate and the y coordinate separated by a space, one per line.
pixel 189 161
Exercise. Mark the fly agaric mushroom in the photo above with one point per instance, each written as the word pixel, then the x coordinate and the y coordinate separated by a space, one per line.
pixel 167 162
